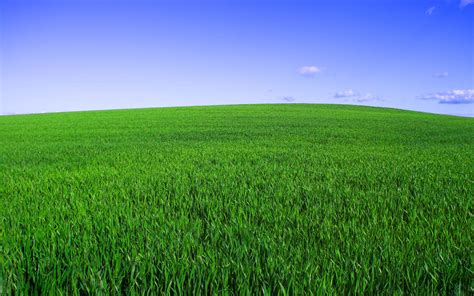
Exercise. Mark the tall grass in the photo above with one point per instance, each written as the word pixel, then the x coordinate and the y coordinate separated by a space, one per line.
pixel 262 199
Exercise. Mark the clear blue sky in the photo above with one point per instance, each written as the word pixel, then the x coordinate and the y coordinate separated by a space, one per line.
pixel 82 55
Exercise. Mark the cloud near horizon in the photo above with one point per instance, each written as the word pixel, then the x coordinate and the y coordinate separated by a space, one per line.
pixel 456 96
pixel 354 96
pixel 369 98
pixel 288 99
pixel 345 94
pixel 309 71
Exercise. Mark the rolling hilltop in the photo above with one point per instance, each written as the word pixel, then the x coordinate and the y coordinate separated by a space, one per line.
pixel 231 199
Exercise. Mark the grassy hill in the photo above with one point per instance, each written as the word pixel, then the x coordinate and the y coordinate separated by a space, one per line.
pixel 231 199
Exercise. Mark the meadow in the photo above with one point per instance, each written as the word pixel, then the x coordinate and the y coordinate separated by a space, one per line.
pixel 248 199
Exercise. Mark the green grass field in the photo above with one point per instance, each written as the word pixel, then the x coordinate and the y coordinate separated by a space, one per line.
pixel 258 199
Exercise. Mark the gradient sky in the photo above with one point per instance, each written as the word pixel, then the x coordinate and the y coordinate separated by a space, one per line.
pixel 82 55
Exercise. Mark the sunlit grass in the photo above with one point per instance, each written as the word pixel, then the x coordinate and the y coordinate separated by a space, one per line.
pixel 234 199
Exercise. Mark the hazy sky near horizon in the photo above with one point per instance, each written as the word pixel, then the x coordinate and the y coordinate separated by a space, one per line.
pixel 82 55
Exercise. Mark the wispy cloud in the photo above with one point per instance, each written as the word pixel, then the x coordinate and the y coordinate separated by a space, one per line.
pixel 441 75
pixel 456 96
pixel 430 10
pixel 351 95
pixel 345 94
pixel 288 99
pixel 368 98
pixel 465 3
pixel 309 71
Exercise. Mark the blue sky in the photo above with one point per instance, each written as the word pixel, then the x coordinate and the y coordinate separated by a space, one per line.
pixel 83 55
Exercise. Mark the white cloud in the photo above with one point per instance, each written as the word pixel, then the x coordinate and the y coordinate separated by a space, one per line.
pixel 351 95
pixel 368 98
pixel 309 71
pixel 345 94
pixel 430 10
pixel 466 2
pixel 456 96
pixel 441 75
